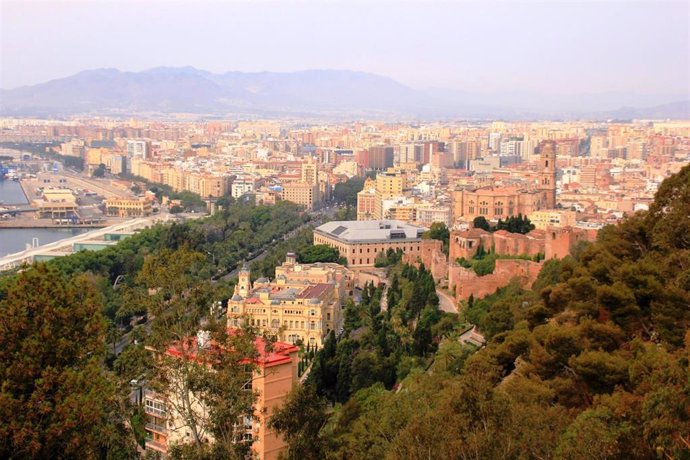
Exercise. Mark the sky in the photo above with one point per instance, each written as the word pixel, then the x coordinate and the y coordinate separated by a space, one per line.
pixel 553 47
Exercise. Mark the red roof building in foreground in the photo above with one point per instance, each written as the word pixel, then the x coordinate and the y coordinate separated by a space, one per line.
pixel 274 376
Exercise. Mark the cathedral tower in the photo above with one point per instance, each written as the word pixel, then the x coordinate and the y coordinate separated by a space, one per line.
pixel 547 174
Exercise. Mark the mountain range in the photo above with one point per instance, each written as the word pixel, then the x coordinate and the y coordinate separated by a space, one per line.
pixel 337 94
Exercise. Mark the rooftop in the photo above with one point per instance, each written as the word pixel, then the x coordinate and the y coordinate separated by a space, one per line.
pixel 370 230
pixel 268 354
pixel 315 291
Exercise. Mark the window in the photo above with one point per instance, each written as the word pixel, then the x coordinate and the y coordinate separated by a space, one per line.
pixel 483 208
pixel 155 407
pixel 498 208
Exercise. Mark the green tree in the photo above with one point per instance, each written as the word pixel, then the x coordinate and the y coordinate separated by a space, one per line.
pixel 346 192
pixel 481 222
pixel 439 231
pixel 320 253
pixel 99 171
pixel 56 398
pixel 300 420
pixel 204 385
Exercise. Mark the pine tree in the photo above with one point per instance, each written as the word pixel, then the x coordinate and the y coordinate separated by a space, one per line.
pixel 55 398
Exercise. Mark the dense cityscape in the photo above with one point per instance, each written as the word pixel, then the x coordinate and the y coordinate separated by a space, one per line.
pixel 485 256
pixel 479 208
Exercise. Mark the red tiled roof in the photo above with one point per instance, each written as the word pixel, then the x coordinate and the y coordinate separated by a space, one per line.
pixel 268 356
pixel 317 290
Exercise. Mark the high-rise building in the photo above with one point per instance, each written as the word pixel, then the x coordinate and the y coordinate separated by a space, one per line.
pixel 310 171
pixel 410 153
pixel 137 148
pixel 366 200
pixel 380 157
pixel 494 141
pixel 302 193
pixel 464 152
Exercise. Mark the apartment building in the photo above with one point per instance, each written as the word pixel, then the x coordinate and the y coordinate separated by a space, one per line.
pixel 274 376
pixel 302 193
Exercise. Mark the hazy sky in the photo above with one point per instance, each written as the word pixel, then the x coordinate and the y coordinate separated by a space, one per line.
pixel 551 47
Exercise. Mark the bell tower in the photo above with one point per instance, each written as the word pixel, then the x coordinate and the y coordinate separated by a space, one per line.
pixel 547 174
pixel 244 284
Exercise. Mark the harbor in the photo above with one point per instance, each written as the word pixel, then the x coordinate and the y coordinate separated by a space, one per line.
pixel 91 240
pixel 41 202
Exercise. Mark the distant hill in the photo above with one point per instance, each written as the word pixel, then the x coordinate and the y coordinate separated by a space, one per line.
pixel 326 93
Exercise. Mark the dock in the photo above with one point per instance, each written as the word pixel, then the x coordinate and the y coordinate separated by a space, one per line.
pixel 94 240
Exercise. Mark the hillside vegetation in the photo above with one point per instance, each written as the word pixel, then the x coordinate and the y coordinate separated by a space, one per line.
pixel 591 363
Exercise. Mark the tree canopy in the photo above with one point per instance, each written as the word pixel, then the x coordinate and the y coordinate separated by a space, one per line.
pixel 592 362
pixel 439 231
pixel 320 253
pixel 56 399
pixel 346 192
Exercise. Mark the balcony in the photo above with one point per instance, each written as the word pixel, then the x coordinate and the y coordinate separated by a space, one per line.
pixel 155 427
pixel 155 411
pixel 157 446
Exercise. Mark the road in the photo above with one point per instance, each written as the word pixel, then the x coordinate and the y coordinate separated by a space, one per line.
pixel 126 339
pixel 446 302
pixel 265 251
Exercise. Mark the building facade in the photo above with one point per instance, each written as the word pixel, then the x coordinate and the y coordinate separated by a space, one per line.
pixel 303 303
pixel 273 377
pixel 502 202
pixel 361 241
pixel 128 207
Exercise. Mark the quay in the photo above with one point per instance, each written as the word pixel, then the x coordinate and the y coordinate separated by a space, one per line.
pixel 95 239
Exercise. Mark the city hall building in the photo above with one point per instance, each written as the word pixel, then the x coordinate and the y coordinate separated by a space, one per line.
pixel 360 241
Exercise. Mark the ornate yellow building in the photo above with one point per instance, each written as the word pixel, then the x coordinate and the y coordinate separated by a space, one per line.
pixel 304 302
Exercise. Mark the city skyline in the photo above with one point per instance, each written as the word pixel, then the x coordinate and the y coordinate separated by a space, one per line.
pixel 557 48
